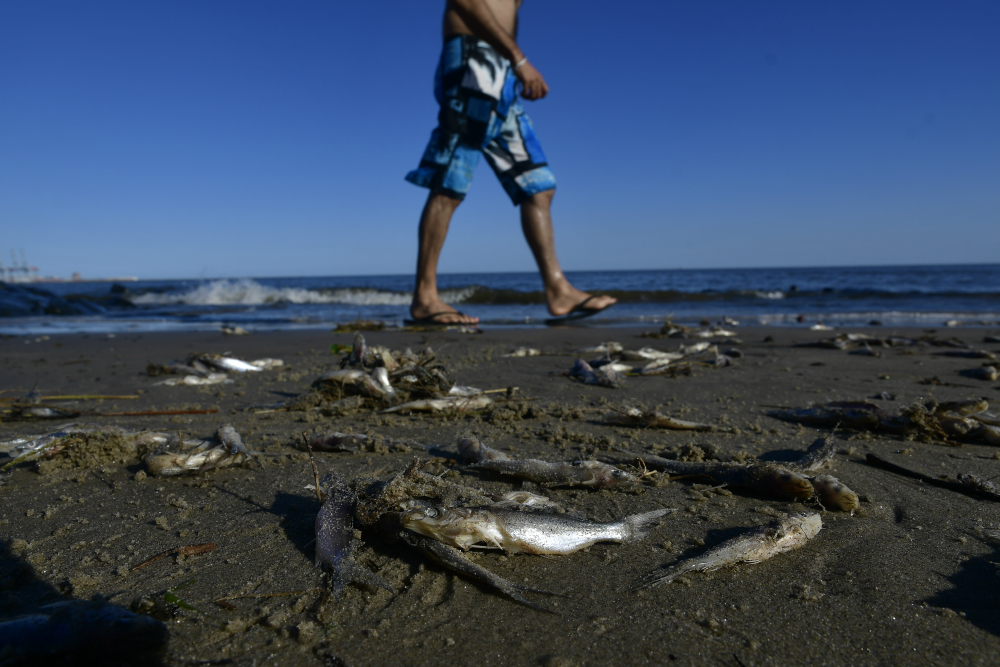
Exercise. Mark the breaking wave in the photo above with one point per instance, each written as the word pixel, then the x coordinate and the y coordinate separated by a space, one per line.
pixel 252 293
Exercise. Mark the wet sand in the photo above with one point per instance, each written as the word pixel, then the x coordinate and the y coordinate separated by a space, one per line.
pixel 911 578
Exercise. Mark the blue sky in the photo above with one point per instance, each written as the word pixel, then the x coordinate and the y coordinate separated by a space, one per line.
pixel 221 138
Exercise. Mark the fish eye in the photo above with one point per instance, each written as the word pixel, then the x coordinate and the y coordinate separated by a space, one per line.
pixel 431 512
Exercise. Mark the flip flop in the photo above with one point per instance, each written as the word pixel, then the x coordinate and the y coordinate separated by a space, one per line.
pixel 429 321
pixel 579 312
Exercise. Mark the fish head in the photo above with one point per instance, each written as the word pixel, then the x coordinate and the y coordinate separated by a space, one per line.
pixel 835 495
pixel 604 476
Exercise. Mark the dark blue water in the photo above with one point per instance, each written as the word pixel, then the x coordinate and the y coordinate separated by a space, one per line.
pixel 897 295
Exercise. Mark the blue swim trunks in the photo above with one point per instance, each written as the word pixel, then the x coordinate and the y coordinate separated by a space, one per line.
pixel 477 91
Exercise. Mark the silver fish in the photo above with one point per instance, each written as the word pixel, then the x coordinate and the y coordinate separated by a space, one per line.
pixel 193 456
pixel 228 363
pixel 759 544
pixel 605 376
pixel 654 419
pixel 580 473
pixel 451 403
pixel 522 532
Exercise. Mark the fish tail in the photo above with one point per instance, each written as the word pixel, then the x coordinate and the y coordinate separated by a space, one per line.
pixel 639 525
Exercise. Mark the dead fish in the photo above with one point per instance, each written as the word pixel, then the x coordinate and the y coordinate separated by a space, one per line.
pixel 196 380
pixel 523 352
pixel 451 403
pixel 759 544
pixel 987 373
pixel 594 474
pixel 460 390
pixel 768 479
pixel 835 495
pixel 603 377
pixel 653 419
pixel 80 632
pixel 650 354
pixel 453 559
pixel 352 380
pixel 471 450
pixel 267 363
pixel 335 541
pixel 978 483
pixel 189 457
pixel 228 363
pixel 522 532
pixel 610 347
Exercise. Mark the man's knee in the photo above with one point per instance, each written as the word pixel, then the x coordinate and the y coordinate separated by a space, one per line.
pixel 443 200
pixel 543 198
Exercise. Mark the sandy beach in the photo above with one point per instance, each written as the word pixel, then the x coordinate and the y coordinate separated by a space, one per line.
pixel 910 578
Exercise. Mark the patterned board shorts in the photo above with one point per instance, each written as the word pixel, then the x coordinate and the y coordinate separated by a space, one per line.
pixel 477 91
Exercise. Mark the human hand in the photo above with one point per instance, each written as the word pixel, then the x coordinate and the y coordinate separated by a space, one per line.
pixel 533 86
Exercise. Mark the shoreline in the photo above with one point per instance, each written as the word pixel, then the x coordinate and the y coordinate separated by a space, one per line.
pixel 910 576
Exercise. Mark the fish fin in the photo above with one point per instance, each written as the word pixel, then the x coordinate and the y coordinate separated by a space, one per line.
pixel 453 559
pixel 640 524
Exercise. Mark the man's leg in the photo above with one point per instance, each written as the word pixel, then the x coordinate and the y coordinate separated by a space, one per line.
pixel 434 223
pixel 536 222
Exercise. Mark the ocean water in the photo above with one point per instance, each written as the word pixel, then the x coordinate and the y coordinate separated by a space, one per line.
pixel 837 296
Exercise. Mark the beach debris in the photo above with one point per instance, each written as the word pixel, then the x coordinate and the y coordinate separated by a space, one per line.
pixel 991 339
pixel 516 531
pixel 759 544
pixel 594 474
pixel 448 404
pixel 791 480
pixel 79 632
pixel 196 380
pixel 234 331
pixel 652 419
pixel 964 483
pixel 523 352
pixel 359 325
pixel 987 372
pixel 187 457
pixel 187 550
pixel 50 444
pixel 961 420
pixel 652 361
pixel 605 376
pixel 335 540
pixel 202 365
pixel 968 354
pixel 672 330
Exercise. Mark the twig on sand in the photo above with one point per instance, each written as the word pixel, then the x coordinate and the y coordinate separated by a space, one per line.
pixel 312 460
pixel 186 550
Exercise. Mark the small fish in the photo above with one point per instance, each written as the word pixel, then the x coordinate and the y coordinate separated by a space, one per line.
pixel 228 363
pixel 653 419
pixel 335 541
pixel 769 540
pixel 267 363
pixel 189 457
pixel 523 352
pixel 816 457
pixel 759 477
pixel 451 403
pixel 987 373
pixel 196 380
pixel 522 532
pixel 834 495
pixel 580 473
pixel 650 354
pixel 611 347
pixel 353 380
pixel 525 500
pixel 460 390
pixel 602 377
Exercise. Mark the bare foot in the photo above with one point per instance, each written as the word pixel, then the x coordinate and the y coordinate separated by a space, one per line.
pixel 562 303
pixel 440 313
